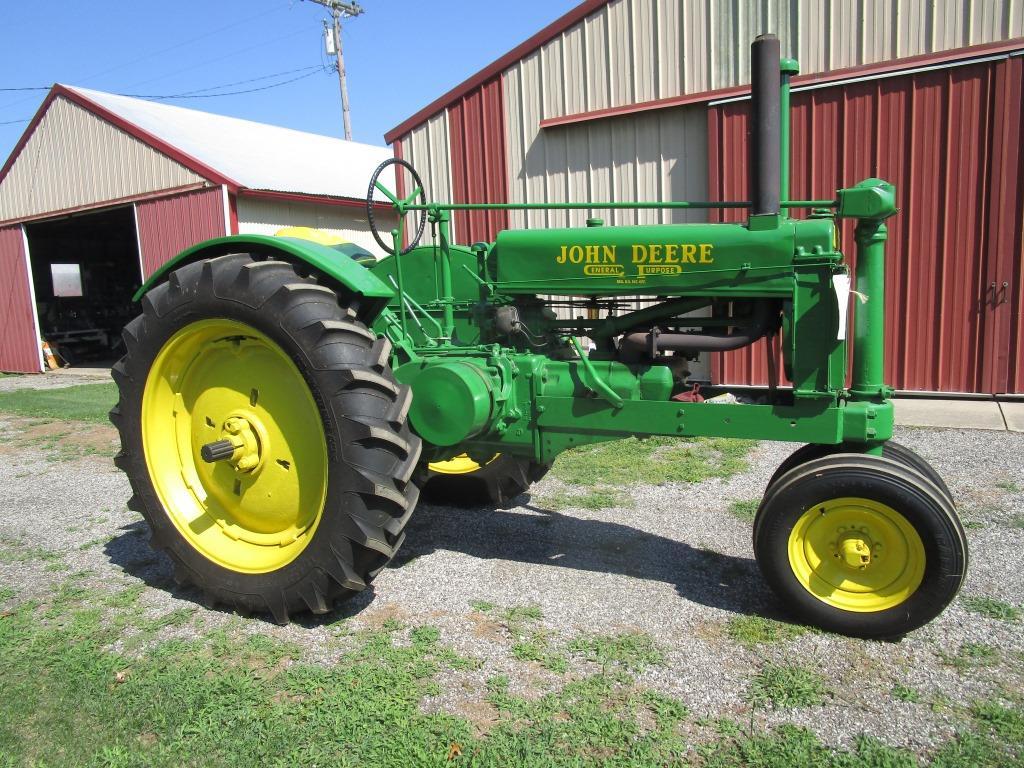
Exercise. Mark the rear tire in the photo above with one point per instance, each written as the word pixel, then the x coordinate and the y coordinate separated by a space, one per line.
pixel 860 545
pixel 320 507
pixel 462 482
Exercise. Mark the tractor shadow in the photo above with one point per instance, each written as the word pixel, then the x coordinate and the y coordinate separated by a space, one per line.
pixel 131 552
pixel 531 534
pixel 525 533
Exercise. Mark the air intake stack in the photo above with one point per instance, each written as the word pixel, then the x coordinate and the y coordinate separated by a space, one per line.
pixel 765 139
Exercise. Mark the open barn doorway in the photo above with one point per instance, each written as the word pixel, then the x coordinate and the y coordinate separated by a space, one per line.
pixel 85 269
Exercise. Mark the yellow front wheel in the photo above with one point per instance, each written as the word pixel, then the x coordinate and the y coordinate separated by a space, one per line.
pixel 264 436
pixel 860 545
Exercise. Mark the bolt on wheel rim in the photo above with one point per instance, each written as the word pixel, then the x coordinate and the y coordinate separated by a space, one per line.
pixel 856 554
pixel 255 510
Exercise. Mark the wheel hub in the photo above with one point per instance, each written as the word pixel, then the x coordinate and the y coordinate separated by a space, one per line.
pixel 235 445
pixel 854 549
pixel 243 434
pixel 856 554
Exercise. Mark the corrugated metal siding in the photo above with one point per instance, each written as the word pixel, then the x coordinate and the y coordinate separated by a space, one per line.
pixel 477 127
pixel 169 225
pixel 428 149
pixel 74 158
pixel 939 247
pixel 653 156
pixel 1005 219
pixel 632 51
pixel 638 50
pixel 19 343
pixel 265 217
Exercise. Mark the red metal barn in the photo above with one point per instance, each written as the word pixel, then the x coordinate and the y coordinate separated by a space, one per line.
pixel 646 99
pixel 102 189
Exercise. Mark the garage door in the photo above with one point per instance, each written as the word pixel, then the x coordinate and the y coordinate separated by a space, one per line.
pixel 169 225
pixel 19 344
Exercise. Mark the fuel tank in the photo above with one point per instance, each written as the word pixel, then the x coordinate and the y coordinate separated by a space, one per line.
pixel 663 260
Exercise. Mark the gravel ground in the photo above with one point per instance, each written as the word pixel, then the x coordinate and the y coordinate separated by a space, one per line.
pixel 676 565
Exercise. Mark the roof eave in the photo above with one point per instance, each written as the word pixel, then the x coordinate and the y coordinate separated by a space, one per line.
pixel 193 164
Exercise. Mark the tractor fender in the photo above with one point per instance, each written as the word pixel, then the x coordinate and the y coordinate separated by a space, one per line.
pixel 341 269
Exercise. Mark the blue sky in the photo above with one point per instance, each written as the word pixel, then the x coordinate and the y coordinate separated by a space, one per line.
pixel 400 55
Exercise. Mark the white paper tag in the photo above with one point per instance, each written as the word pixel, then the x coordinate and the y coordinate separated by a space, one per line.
pixel 841 285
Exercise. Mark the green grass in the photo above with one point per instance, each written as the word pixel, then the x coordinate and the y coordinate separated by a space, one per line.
pixel 652 461
pixel 517 617
pixel 536 647
pixel 633 650
pixel 789 746
pixel 83 402
pixel 971 656
pixel 751 631
pixel 906 693
pixel 745 510
pixel 991 608
pixel 596 498
pixel 784 686
pixel 1009 486
pixel 231 699
pixel 16 551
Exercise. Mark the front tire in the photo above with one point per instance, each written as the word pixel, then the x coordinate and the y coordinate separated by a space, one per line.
pixel 860 545
pixel 890 450
pixel 310 499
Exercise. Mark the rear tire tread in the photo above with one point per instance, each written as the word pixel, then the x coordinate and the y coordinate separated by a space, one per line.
pixel 362 405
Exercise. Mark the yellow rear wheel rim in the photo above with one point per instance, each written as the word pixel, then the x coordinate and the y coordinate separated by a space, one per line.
pixel 221 379
pixel 857 554
pixel 459 465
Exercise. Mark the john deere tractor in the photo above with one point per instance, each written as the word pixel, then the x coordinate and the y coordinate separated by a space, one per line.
pixel 282 403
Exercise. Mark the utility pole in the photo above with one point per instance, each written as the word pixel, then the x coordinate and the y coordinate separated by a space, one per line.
pixel 340 9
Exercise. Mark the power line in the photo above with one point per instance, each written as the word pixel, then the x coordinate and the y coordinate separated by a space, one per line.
pixel 182 44
pixel 243 82
pixel 202 93
pixel 12 122
pixel 197 65
pixel 197 95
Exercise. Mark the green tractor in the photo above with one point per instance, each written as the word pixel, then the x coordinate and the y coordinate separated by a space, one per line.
pixel 281 404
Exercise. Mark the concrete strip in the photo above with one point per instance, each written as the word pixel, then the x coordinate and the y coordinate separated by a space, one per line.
pixel 960 414
pixel 1013 413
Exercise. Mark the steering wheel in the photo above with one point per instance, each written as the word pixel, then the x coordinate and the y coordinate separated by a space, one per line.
pixel 399 204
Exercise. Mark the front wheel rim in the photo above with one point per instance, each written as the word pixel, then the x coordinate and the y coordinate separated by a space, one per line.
pixel 221 379
pixel 856 554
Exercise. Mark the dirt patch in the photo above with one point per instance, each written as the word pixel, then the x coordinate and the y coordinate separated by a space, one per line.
pixel 65 439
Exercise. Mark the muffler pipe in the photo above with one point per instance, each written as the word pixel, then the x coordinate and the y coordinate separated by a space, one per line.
pixel 637 346
pixel 765 139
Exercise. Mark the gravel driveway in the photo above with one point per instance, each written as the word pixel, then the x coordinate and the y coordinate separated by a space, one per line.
pixel 676 565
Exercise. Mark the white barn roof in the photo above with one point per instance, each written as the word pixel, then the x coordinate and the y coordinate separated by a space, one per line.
pixel 255 155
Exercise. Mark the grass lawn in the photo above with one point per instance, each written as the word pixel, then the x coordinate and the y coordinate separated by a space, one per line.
pixel 83 402
pixel 231 699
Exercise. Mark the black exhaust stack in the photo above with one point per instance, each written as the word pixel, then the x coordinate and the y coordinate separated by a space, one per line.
pixel 765 139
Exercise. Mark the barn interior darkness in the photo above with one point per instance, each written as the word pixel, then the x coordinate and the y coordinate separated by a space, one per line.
pixel 85 269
